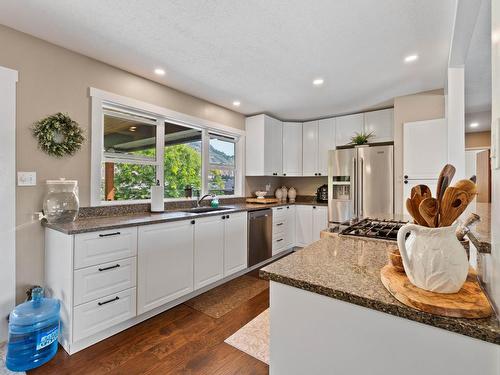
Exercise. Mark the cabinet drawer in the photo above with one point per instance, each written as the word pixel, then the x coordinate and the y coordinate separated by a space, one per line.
pixel 278 244
pixel 104 279
pixel 279 226
pixel 93 317
pixel 106 246
pixel 279 212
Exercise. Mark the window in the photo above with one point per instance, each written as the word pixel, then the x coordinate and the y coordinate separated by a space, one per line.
pixel 136 145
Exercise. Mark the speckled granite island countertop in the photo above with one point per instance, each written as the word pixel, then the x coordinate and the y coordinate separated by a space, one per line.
pixel 348 269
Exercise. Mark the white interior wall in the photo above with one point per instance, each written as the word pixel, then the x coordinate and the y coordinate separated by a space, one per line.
pixel 8 79
pixel 455 108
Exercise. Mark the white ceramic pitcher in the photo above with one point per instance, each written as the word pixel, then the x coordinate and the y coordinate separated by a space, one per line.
pixel 433 258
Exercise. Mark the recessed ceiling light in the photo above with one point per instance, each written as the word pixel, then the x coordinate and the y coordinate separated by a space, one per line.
pixel 159 72
pixel 132 128
pixel 236 103
pixel 411 58
pixel 474 125
pixel 318 81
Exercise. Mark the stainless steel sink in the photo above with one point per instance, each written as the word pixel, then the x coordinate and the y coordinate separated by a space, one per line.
pixel 201 210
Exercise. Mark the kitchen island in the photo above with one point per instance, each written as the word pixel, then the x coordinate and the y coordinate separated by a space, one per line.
pixel 330 314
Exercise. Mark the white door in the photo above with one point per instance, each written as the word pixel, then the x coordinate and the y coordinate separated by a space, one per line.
pixel 346 126
pixel 326 142
pixel 425 149
pixel 319 221
pixel 164 263
pixel 235 243
pixel 470 162
pixel 310 148
pixel 208 250
pixel 381 124
pixel 292 149
pixel 303 225
pixel 290 226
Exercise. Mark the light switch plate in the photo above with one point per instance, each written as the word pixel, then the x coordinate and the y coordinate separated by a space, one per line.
pixel 26 178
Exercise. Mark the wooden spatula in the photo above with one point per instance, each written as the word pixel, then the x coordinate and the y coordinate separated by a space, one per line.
pixel 429 210
pixel 413 211
pixel 469 187
pixel 421 190
pixel 453 203
pixel 444 180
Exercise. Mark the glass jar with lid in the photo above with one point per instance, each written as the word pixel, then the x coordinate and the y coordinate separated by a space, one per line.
pixel 61 203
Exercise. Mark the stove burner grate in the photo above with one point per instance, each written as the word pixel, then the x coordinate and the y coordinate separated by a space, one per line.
pixel 375 228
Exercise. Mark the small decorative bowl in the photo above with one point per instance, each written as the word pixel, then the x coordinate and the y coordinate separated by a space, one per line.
pixel 395 259
pixel 260 194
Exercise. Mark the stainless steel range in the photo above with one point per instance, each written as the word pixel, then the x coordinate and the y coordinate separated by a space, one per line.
pixel 373 228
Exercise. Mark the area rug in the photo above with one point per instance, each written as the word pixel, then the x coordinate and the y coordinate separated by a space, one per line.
pixel 4 370
pixel 253 338
pixel 224 298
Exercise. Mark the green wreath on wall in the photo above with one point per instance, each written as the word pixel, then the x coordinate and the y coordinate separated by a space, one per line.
pixel 58 135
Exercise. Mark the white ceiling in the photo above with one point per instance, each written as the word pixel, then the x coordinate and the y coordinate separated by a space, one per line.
pixel 478 72
pixel 264 53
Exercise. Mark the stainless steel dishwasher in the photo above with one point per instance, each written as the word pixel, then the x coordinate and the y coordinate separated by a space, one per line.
pixel 260 236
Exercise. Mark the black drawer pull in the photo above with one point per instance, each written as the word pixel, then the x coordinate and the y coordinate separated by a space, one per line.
pixel 281 239
pixel 279 224
pixel 111 300
pixel 227 216
pixel 110 234
pixel 279 208
pixel 109 268
pixel 192 221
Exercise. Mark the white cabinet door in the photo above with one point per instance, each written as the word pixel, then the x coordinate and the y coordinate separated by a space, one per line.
pixel 346 126
pixel 208 250
pixel 165 263
pixel 381 124
pixel 273 145
pixel 292 149
pixel 290 230
pixel 235 243
pixel 264 146
pixel 303 225
pixel 319 221
pixel 425 149
pixel 310 148
pixel 326 142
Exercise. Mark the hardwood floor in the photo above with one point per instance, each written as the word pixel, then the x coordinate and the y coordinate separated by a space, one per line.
pixel 179 341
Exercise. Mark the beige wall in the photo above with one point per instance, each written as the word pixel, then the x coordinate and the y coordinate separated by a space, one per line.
pixel 417 107
pixel 53 79
pixel 479 139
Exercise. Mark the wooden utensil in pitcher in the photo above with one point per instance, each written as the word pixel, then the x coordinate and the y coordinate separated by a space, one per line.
pixel 413 211
pixel 444 180
pixel 429 210
pixel 469 187
pixel 417 195
pixel 453 204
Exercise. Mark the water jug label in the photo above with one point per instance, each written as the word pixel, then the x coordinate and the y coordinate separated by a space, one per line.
pixel 47 338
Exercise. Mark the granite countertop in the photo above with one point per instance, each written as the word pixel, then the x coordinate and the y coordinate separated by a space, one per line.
pixel 108 222
pixel 348 269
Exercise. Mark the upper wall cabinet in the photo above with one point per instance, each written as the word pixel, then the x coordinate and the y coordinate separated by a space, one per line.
pixel 264 146
pixel 381 123
pixel 292 149
pixel 318 139
pixel 326 142
pixel 347 126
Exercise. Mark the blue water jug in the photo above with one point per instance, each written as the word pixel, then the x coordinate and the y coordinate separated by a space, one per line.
pixel 33 332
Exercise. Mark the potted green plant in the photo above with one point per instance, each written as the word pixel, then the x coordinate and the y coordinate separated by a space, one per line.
pixel 362 138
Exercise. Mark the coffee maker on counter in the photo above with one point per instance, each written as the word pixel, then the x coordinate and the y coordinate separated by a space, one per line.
pixel 322 193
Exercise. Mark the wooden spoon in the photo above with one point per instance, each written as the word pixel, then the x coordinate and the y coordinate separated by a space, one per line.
pixel 429 210
pixel 452 205
pixel 413 211
pixel 421 190
pixel 469 187
pixel 444 180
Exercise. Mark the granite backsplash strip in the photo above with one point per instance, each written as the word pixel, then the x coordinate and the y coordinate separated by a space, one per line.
pixel 132 209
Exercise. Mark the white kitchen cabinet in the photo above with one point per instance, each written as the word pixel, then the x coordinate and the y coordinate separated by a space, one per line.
pixel 290 230
pixel 208 250
pixel 310 148
pixel 235 243
pixel 303 225
pixel 346 126
pixel 326 142
pixel 165 263
pixel 381 124
pixel 319 221
pixel 264 146
pixel 292 149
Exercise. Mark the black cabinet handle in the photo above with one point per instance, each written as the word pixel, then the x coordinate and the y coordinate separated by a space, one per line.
pixel 193 221
pixel 284 174
pixel 227 216
pixel 281 239
pixel 109 268
pixel 110 234
pixel 223 217
pixel 405 176
pixel 314 207
pixel 279 224
pixel 319 174
pixel 279 208
pixel 111 300
pixel 405 181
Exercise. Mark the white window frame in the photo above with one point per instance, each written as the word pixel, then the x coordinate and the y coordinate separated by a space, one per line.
pixel 223 167
pixel 103 100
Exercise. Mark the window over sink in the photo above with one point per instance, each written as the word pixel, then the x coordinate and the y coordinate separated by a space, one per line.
pixel 136 145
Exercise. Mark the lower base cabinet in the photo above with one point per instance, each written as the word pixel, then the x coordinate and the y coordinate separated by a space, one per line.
pixel 165 263
pixel 310 221
pixel 208 250
pixel 235 243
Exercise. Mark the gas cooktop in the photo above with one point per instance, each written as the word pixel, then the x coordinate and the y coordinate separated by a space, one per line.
pixel 374 228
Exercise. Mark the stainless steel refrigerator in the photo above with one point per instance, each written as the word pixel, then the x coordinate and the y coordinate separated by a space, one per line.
pixel 360 183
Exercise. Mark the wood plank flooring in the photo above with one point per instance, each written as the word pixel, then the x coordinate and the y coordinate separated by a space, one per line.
pixel 179 341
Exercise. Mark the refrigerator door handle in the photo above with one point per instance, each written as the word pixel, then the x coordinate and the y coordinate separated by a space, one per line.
pixel 361 192
pixel 355 186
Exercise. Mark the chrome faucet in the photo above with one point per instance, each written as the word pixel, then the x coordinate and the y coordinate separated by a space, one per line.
pixel 199 200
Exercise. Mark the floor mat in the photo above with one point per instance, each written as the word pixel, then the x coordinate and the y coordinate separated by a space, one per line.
pixel 224 298
pixel 253 338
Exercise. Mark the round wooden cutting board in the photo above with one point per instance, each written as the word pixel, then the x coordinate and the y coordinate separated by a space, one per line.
pixel 469 302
